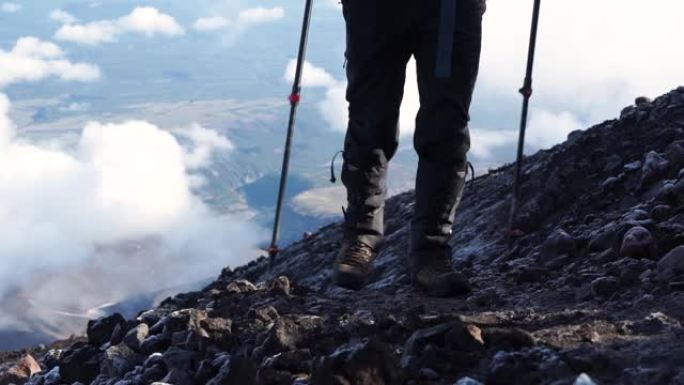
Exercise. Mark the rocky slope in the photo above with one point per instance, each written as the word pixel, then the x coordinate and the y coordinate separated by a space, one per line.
pixel 591 293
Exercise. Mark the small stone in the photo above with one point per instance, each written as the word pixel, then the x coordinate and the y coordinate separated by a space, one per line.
pixel 282 337
pixel 558 243
pixel 603 239
pixel 468 381
pixel 604 287
pixel 280 285
pixel 178 377
pixel 176 358
pixel 655 165
pixel 235 370
pixel 217 331
pixel 53 377
pixel 637 243
pixel 266 314
pixel 661 212
pixel 428 374
pixel 153 373
pixel 633 166
pixel 119 360
pixel 155 344
pixel 508 338
pixel 241 286
pixel 675 154
pixel 613 163
pixel 136 336
pixel 642 101
pixel 153 359
pixel 526 366
pixel 610 183
pixel 457 343
pixel 677 286
pixel 584 379
pixel 671 265
pixel 655 323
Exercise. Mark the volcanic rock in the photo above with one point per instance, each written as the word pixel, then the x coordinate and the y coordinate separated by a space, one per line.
pixel 100 331
pixel 21 371
pixel 369 363
pixel 671 265
pixel 637 243
pixel 136 336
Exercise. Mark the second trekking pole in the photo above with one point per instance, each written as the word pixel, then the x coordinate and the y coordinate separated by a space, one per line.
pixel 294 103
pixel 526 92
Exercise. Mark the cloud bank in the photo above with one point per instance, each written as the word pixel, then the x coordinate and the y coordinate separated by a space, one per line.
pixel 32 59
pixel 112 215
pixel 246 19
pixel 146 21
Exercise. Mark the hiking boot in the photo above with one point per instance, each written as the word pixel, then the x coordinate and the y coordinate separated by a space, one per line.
pixel 435 275
pixel 353 266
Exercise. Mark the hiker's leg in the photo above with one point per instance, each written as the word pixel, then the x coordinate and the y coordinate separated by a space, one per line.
pixel 376 67
pixel 447 61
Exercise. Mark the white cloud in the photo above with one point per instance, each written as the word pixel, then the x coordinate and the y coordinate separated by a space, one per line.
pixel 210 23
pixel 588 63
pixel 313 76
pixel 93 33
pixel 204 143
pixel 32 59
pixel 147 21
pixel 334 107
pixel 246 19
pixel 10 7
pixel 62 17
pixel 259 15
pixel 85 223
pixel 116 214
pixel 547 128
pixel 484 142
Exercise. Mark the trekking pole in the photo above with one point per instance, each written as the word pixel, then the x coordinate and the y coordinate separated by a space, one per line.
pixel 526 92
pixel 294 103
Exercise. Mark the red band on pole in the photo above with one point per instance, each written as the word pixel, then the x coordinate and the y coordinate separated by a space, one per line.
pixel 294 98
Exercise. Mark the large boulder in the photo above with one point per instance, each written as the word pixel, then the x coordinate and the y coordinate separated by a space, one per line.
pixel 444 347
pixel 21 371
pixel 366 363
pixel 135 337
pixel 81 363
pixel 100 331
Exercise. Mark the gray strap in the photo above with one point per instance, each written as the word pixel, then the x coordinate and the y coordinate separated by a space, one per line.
pixel 445 39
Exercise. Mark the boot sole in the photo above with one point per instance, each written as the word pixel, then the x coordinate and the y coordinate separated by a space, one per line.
pixel 441 291
pixel 349 280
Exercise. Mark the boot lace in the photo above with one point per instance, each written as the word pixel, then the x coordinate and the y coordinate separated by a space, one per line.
pixel 358 254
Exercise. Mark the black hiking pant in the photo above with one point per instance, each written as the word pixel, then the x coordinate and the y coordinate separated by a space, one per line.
pixel 444 36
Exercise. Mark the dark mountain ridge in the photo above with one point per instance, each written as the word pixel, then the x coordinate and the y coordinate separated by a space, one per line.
pixel 592 292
